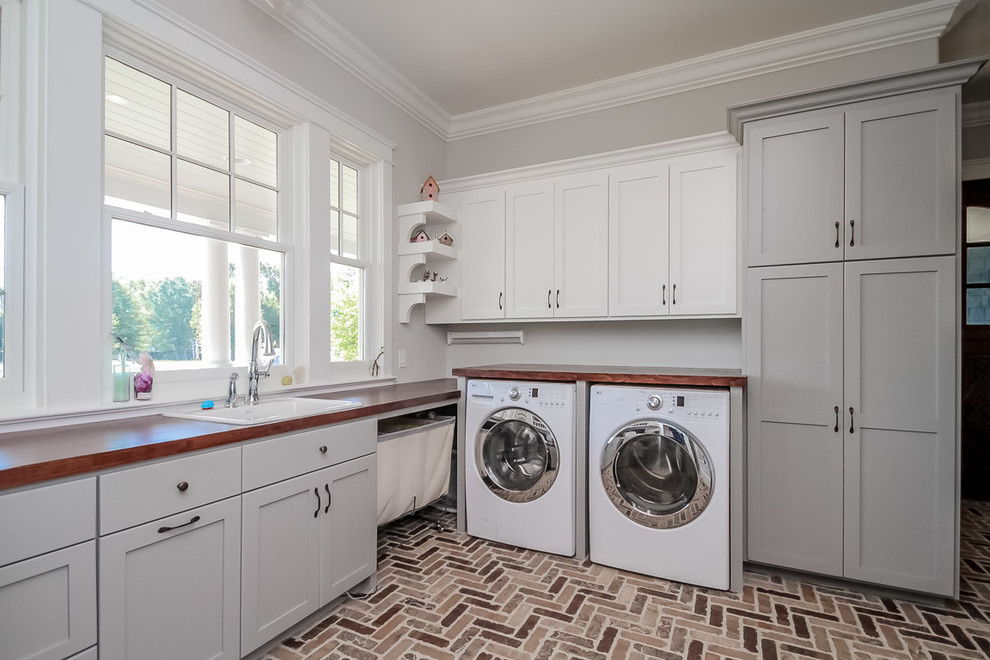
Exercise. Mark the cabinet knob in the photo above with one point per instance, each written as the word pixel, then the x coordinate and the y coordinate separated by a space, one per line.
pixel 183 486
pixel 323 449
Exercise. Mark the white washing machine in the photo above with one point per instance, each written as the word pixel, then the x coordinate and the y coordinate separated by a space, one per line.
pixel 658 482
pixel 520 473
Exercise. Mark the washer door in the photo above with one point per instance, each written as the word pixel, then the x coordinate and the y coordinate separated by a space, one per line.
pixel 657 474
pixel 517 455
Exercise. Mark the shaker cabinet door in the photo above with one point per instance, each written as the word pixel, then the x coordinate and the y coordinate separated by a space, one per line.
pixel 794 353
pixel 900 484
pixel 482 256
pixel 581 246
pixel 901 177
pixel 529 250
pixel 795 189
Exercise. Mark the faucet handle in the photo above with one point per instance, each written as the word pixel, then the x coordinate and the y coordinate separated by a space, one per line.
pixel 267 372
pixel 232 391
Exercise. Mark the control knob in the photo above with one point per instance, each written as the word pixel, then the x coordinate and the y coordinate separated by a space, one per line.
pixel 654 402
pixel 514 393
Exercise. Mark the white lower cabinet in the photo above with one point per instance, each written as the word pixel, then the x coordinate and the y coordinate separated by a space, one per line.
pixel 48 571
pixel 851 439
pixel 171 588
pixel 48 604
pixel 305 541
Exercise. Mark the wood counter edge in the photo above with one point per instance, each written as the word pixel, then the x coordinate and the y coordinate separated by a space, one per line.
pixel 706 380
pixel 35 473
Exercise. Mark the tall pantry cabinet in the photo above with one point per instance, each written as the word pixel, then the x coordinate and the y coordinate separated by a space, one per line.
pixel 851 330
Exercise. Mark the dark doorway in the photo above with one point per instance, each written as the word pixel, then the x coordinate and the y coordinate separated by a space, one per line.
pixel 976 340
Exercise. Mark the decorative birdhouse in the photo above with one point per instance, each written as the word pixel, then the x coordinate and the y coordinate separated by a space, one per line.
pixel 445 239
pixel 420 237
pixel 430 190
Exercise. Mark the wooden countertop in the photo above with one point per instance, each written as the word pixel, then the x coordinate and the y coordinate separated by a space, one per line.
pixel 28 457
pixel 607 374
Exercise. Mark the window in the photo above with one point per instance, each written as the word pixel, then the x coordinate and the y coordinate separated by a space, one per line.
pixel 191 188
pixel 349 265
pixel 977 263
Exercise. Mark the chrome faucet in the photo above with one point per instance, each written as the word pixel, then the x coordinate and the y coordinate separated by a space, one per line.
pixel 262 333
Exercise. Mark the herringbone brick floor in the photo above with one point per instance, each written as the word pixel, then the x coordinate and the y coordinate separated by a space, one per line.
pixel 447 595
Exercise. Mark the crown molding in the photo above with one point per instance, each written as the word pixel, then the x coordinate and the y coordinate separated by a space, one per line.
pixel 315 27
pixel 630 156
pixel 919 22
pixel 943 75
pixel 976 114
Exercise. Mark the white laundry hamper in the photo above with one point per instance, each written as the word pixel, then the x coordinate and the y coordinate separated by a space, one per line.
pixel 413 463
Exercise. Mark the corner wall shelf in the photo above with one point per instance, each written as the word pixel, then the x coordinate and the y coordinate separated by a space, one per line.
pixel 412 217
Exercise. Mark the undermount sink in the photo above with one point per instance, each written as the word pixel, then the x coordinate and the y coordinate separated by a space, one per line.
pixel 265 411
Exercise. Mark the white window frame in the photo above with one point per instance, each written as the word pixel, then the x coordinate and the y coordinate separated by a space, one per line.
pixel 370 250
pixel 171 383
pixel 15 385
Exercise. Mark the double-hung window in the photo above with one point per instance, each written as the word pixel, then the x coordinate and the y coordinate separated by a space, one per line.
pixel 349 265
pixel 13 321
pixel 198 243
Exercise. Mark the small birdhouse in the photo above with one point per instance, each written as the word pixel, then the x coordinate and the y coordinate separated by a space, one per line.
pixel 420 237
pixel 430 190
pixel 445 239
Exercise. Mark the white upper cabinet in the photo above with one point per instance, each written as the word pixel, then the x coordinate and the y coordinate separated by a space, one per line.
pixel 581 245
pixel 638 248
pixel 862 181
pixel 795 189
pixel 901 177
pixel 635 236
pixel 529 249
pixel 482 259
pixel 702 234
pixel 672 237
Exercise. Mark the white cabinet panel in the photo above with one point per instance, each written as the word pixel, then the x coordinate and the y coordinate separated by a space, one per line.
pixel 529 249
pixel 350 530
pixel 482 288
pixel 581 246
pixel 900 430
pixel 901 177
pixel 281 557
pixel 171 588
pixel 48 604
pixel 638 247
pixel 72 503
pixel 703 234
pixel 795 181
pixel 795 441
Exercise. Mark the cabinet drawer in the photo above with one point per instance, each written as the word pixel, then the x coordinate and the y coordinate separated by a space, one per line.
pixel 288 456
pixel 141 494
pixel 47 518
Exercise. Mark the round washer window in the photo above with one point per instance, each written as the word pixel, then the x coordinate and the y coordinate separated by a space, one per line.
pixel 517 455
pixel 657 474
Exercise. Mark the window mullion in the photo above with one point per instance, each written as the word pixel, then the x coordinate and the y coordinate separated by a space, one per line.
pixel 231 175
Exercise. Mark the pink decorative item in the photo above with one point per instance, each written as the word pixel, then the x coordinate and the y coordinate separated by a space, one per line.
pixel 144 378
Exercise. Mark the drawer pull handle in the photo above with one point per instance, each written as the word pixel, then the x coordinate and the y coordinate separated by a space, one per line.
pixel 852 231
pixel 851 428
pixel 319 503
pixel 193 520
pixel 183 486
pixel 549 291
pixel 837 233
pixel 558 298
pixel 836 429
pixel 673 294
pixel 323 449
pixel 663 294
pixel 329 498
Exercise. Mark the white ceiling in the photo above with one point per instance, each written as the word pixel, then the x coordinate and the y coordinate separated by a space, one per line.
pixel 468 55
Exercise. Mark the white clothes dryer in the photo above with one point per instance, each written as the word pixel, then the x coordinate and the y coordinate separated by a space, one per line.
pixel 658 482
pixel 520 470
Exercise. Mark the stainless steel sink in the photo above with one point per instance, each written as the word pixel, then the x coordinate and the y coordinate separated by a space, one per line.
pixel 266 411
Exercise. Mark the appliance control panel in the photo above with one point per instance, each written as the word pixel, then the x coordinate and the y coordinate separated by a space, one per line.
pixel 674 404
pixel 544 395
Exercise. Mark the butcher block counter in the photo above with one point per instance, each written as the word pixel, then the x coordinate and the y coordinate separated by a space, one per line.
pixel 34 456
pixel 607 374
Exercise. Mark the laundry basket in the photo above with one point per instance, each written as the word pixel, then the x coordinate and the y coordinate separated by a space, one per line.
pixel 413 463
